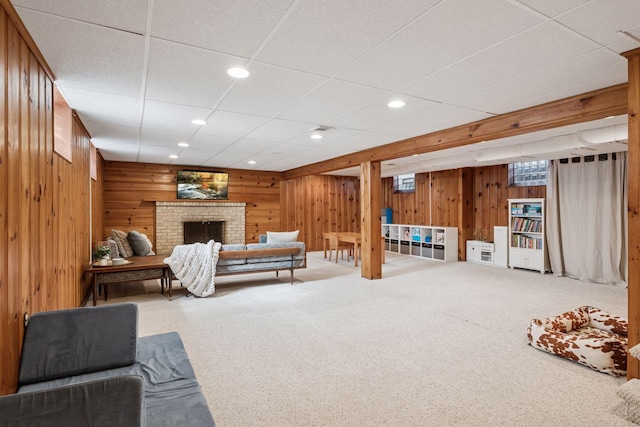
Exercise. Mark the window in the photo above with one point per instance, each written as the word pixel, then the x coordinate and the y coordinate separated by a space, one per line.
pixel 528 173
pixel 405 183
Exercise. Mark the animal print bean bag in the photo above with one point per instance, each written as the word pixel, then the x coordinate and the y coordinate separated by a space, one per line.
pixel 586 335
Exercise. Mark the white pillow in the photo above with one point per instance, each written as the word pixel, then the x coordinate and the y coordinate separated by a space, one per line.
pixel 282 237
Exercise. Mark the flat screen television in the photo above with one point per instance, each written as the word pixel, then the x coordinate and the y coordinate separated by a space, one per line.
pixel 203 185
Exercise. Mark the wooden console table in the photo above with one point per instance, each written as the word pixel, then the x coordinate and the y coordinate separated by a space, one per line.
pixel 141 268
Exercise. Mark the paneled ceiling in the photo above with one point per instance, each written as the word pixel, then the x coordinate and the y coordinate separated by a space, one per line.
pixel 138 71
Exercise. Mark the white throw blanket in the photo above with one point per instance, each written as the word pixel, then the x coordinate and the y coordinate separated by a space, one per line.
pixel 195 266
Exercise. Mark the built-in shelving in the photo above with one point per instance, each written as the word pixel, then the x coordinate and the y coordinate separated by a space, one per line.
pixel 437 243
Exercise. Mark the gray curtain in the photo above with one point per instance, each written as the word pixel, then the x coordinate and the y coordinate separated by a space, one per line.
pixel 587 219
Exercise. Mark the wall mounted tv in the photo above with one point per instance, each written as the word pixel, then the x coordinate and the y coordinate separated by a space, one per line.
pixel 203 185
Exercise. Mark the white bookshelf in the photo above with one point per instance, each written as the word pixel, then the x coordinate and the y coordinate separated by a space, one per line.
pixel 527 243
pixel 437 243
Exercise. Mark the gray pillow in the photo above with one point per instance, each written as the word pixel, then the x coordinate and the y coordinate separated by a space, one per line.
pixel 138 243
pixel 124 248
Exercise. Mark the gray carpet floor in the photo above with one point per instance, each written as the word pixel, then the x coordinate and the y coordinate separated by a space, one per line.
pixel 430 344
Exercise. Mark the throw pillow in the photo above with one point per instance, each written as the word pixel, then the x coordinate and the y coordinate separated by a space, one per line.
pixel 123 244
pixel 138 243
pixel 115 253
pixel 282 237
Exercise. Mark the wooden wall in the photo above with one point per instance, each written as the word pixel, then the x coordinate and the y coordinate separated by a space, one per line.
pixel 472 199
pixel 44 202
pixel 130 190
pixel 319 203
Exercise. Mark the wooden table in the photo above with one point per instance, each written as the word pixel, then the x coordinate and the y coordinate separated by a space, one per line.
pixel 140 268
pixel 349 237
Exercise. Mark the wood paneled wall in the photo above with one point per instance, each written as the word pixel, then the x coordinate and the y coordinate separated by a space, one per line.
pixel 472 199
pixel 44 202
pixel 319 203
pixel 131 189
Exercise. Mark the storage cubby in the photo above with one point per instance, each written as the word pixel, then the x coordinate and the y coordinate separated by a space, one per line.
pixel 438 243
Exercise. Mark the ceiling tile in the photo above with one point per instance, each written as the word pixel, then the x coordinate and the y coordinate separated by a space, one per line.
pixel 109 131
pixel 232 125
pixel 247 146
pixel 378 112
pixel 268 90
pixel 323 37
pixel 156 154
pixel 104 107
pixel 280 130
pixel 560 77
pixel 331 100
pixel 188 156
pixel 164 138
pixel 529 51
pixel 85 56
pixel 176 74
pixel 438 117
pixel 227 26
pixel 364 140
pixel 600 20
pixel 552 8
pixel 210 142
pixel 175 117
pixel 448 33
pixel 224 159
pixel 329 136
pixel 127 15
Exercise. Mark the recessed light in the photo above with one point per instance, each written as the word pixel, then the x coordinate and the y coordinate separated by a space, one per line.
pixel 396 104
pixel 198 122
pixel 316 136
pixel 609 117
pixel 238 72
pixel 173 156
pixel 183 144
pixel 414 155
pixel 252 162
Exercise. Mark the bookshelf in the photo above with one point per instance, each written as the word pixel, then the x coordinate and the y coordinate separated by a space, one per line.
pixel 527 243
pixel 437 243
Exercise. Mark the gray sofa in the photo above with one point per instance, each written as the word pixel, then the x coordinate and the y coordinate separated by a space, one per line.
pixel 255 257
pixel 88 367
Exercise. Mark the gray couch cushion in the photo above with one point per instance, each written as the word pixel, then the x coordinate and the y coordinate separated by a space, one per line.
pixel 62 343
pixel 116 401
pixel 236 261
pixel 172 393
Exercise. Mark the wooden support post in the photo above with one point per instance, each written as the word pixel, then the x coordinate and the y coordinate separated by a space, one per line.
pixel 371 227
pixel 633 170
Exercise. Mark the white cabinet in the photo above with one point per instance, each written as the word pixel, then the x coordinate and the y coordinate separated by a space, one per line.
pixel 480 252
pixel 438 243
pixel 527 243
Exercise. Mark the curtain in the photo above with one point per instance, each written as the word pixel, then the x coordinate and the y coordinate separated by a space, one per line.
pixel 587 218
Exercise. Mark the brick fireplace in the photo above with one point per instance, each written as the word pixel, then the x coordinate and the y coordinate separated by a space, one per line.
pixel 171 215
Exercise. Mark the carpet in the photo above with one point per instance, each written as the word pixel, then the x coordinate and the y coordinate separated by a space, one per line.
pixel 430 344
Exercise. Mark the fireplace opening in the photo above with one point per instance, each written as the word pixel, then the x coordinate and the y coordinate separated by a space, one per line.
pixel 203 231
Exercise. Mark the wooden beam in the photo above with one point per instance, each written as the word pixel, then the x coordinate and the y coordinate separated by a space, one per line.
pixel 594 105
pixel 633 244
pixel 371 227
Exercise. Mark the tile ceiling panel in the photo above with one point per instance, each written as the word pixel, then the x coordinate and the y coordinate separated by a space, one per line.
pixel 190 157
pixel 269 90
pixel 552 8
pixel 378 112
pixel 201 141
pixel 600 20
pixel 127 15
pixel 231 125
pixel 323 37
pixel 328 137
pixel 441 116
pixel 105 107
pixel 162 115
pixel 278 130
pixel 164 138
pixel 331 100
pixel 176 74
pixel 85 56
pixel 237 27
pixel 104 131
pixel 448 33
pixel 224 159
pixel 364 140
pixel 570 74
pixel 248 146
pixel 531 50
